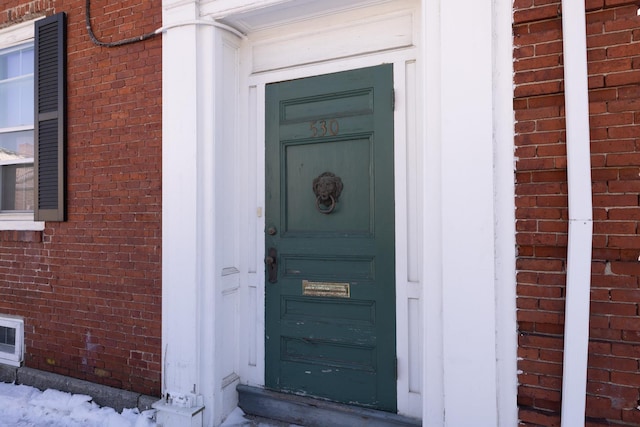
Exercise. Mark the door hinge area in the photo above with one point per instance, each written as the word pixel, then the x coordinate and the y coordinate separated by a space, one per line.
pixel 393 100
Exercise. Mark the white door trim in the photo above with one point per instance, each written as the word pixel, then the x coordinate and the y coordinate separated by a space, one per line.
pixel 409 384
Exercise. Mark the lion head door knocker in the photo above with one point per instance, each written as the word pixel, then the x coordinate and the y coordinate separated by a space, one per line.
pixel 327 188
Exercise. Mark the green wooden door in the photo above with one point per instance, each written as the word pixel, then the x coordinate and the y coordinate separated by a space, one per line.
pixel 330 267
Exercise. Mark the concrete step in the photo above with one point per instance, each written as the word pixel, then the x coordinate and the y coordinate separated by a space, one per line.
pixel 256 421
pixel 309 412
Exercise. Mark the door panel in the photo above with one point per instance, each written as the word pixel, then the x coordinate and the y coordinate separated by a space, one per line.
pixel 300 201
pixel 330 313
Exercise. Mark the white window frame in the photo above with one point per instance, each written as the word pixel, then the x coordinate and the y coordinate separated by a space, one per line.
pixel 17 357
pixel 12 36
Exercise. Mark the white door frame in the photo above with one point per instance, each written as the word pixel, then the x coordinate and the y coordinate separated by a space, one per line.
pixel 408 289
pixel 212 201
pixel 408 292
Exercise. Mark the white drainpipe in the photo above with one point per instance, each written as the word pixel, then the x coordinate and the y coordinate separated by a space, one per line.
pixel 578 285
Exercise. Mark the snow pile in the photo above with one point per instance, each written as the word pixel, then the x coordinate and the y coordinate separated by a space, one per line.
pixel 237 419
pixel 23 406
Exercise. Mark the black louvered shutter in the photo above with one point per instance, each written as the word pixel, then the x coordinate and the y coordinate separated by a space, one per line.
pixel 50 102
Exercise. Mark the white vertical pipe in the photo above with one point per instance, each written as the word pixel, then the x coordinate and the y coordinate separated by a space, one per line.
pixel 576 334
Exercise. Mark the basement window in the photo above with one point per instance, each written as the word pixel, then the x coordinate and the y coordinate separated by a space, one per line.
pixel 11 340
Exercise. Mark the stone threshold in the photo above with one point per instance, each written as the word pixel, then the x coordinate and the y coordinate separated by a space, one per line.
pixel 309 412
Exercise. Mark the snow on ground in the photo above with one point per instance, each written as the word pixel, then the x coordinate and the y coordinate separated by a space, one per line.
pixel 24 406
pixel 237 419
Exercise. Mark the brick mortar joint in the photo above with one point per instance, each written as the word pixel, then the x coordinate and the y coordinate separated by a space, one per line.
pixel 25 12
pixel 21 236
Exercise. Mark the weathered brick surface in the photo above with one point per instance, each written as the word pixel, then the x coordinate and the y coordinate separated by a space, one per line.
pixel 90 288
pixel 613 44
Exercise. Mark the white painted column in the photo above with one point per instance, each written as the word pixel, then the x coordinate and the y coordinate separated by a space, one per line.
pixel 468 274
pixel 200 262
pixel 469 223
pixel 187 217
pixel 180 135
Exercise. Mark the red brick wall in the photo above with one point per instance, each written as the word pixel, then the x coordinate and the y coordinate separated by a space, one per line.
pixel 613 29
pixel 90 288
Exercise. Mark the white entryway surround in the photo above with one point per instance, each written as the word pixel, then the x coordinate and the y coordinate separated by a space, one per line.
pixel 455 280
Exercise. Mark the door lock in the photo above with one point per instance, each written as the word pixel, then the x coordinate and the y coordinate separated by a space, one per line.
pixel 271 262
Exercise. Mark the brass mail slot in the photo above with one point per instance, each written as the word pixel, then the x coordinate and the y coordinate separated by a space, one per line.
pixel 326 289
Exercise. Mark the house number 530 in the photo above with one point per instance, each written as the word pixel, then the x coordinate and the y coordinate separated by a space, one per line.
pixel 323 127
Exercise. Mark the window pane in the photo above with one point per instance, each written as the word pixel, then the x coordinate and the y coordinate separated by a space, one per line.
pixel 16 111
pixel 16 86
pixel 17 188
pixel 16 146
pixel 16 102
pixel 7 339
pixel 27 60
pixel 10 65
pixel 16 62
pixel 7 335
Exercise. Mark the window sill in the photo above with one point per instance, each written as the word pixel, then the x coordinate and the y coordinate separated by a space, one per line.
pixel 17 222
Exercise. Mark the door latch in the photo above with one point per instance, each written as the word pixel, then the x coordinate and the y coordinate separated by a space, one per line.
pixel 272 265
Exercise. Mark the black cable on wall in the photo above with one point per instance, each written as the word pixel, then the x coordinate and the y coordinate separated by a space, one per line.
pixel 97 42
